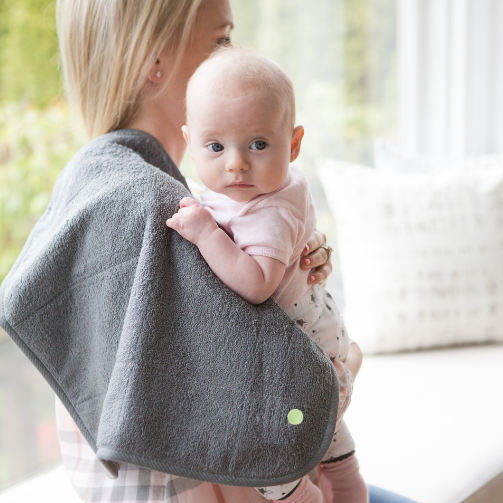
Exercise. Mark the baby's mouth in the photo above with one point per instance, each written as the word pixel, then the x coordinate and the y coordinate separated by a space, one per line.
pixel 239 185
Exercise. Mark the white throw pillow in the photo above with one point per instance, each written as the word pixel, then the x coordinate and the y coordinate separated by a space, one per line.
pixel 421 254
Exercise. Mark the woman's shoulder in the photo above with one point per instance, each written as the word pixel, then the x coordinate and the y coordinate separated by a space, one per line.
pixel 127 162
pixel 127 148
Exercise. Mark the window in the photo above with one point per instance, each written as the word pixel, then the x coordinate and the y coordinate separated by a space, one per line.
pixel 341 56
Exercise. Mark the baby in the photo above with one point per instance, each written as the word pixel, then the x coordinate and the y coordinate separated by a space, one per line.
pixel 242 137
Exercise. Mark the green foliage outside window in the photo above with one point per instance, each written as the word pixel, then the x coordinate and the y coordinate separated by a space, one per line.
pixel 339 53
pixel 28 52
pixel 35 145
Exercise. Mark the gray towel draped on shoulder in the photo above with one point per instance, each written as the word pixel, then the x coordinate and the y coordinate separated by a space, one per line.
pixel 159 364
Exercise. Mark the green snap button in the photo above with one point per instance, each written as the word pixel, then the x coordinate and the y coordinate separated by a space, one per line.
pixel 295 416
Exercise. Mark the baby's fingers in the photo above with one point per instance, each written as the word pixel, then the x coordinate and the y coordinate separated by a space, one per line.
pixel 174 224
pixel 188 201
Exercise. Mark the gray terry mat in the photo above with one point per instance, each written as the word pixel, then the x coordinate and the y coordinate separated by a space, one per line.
pixel 159 364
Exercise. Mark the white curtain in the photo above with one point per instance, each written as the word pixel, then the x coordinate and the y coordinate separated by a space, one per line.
pixel 451 77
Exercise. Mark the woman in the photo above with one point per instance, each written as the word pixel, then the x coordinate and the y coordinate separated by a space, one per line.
pixel 126 65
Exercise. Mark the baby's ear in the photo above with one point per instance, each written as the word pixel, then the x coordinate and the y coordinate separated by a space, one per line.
pixel 297 135
pixel 185 131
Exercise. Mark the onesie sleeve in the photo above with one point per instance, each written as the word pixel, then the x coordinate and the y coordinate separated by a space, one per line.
pixel 269 231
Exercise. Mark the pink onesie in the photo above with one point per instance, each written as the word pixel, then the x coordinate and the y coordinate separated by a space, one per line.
pixel 276 225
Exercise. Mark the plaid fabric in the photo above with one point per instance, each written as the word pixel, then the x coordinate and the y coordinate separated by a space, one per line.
pixel 134 483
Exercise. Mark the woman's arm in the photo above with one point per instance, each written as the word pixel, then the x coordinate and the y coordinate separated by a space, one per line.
pixel 315 258
pixel 254 278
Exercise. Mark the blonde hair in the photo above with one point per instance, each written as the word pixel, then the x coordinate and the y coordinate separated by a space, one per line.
pixel 107 48
pixel 237 69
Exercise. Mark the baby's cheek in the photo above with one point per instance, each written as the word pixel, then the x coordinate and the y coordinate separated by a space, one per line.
pixel 209 176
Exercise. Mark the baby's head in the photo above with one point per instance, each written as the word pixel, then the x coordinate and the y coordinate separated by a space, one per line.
pixel 241 123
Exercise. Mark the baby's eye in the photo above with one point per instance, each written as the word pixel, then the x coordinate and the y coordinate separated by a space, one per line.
pixel 215 147
pixel 258 145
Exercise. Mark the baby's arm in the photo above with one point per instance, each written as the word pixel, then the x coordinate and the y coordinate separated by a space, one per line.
pixel 254 278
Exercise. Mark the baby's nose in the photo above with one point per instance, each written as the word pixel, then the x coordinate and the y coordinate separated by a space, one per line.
pixel 237 162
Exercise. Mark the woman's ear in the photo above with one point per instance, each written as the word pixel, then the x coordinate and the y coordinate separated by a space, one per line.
pixel 185 131
pixel 155 72
pixel 297 135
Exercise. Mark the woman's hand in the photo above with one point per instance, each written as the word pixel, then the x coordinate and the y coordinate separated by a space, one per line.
pixel 314 258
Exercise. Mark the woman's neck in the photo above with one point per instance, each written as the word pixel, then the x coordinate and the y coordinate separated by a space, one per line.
pixel 163 120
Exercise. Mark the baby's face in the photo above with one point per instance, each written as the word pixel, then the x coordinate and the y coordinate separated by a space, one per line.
pixel 240 144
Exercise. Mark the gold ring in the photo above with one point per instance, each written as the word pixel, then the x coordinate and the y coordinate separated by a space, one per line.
pixel 329 251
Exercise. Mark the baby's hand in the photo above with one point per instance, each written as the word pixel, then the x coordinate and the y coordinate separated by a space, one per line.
pixel 192 221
